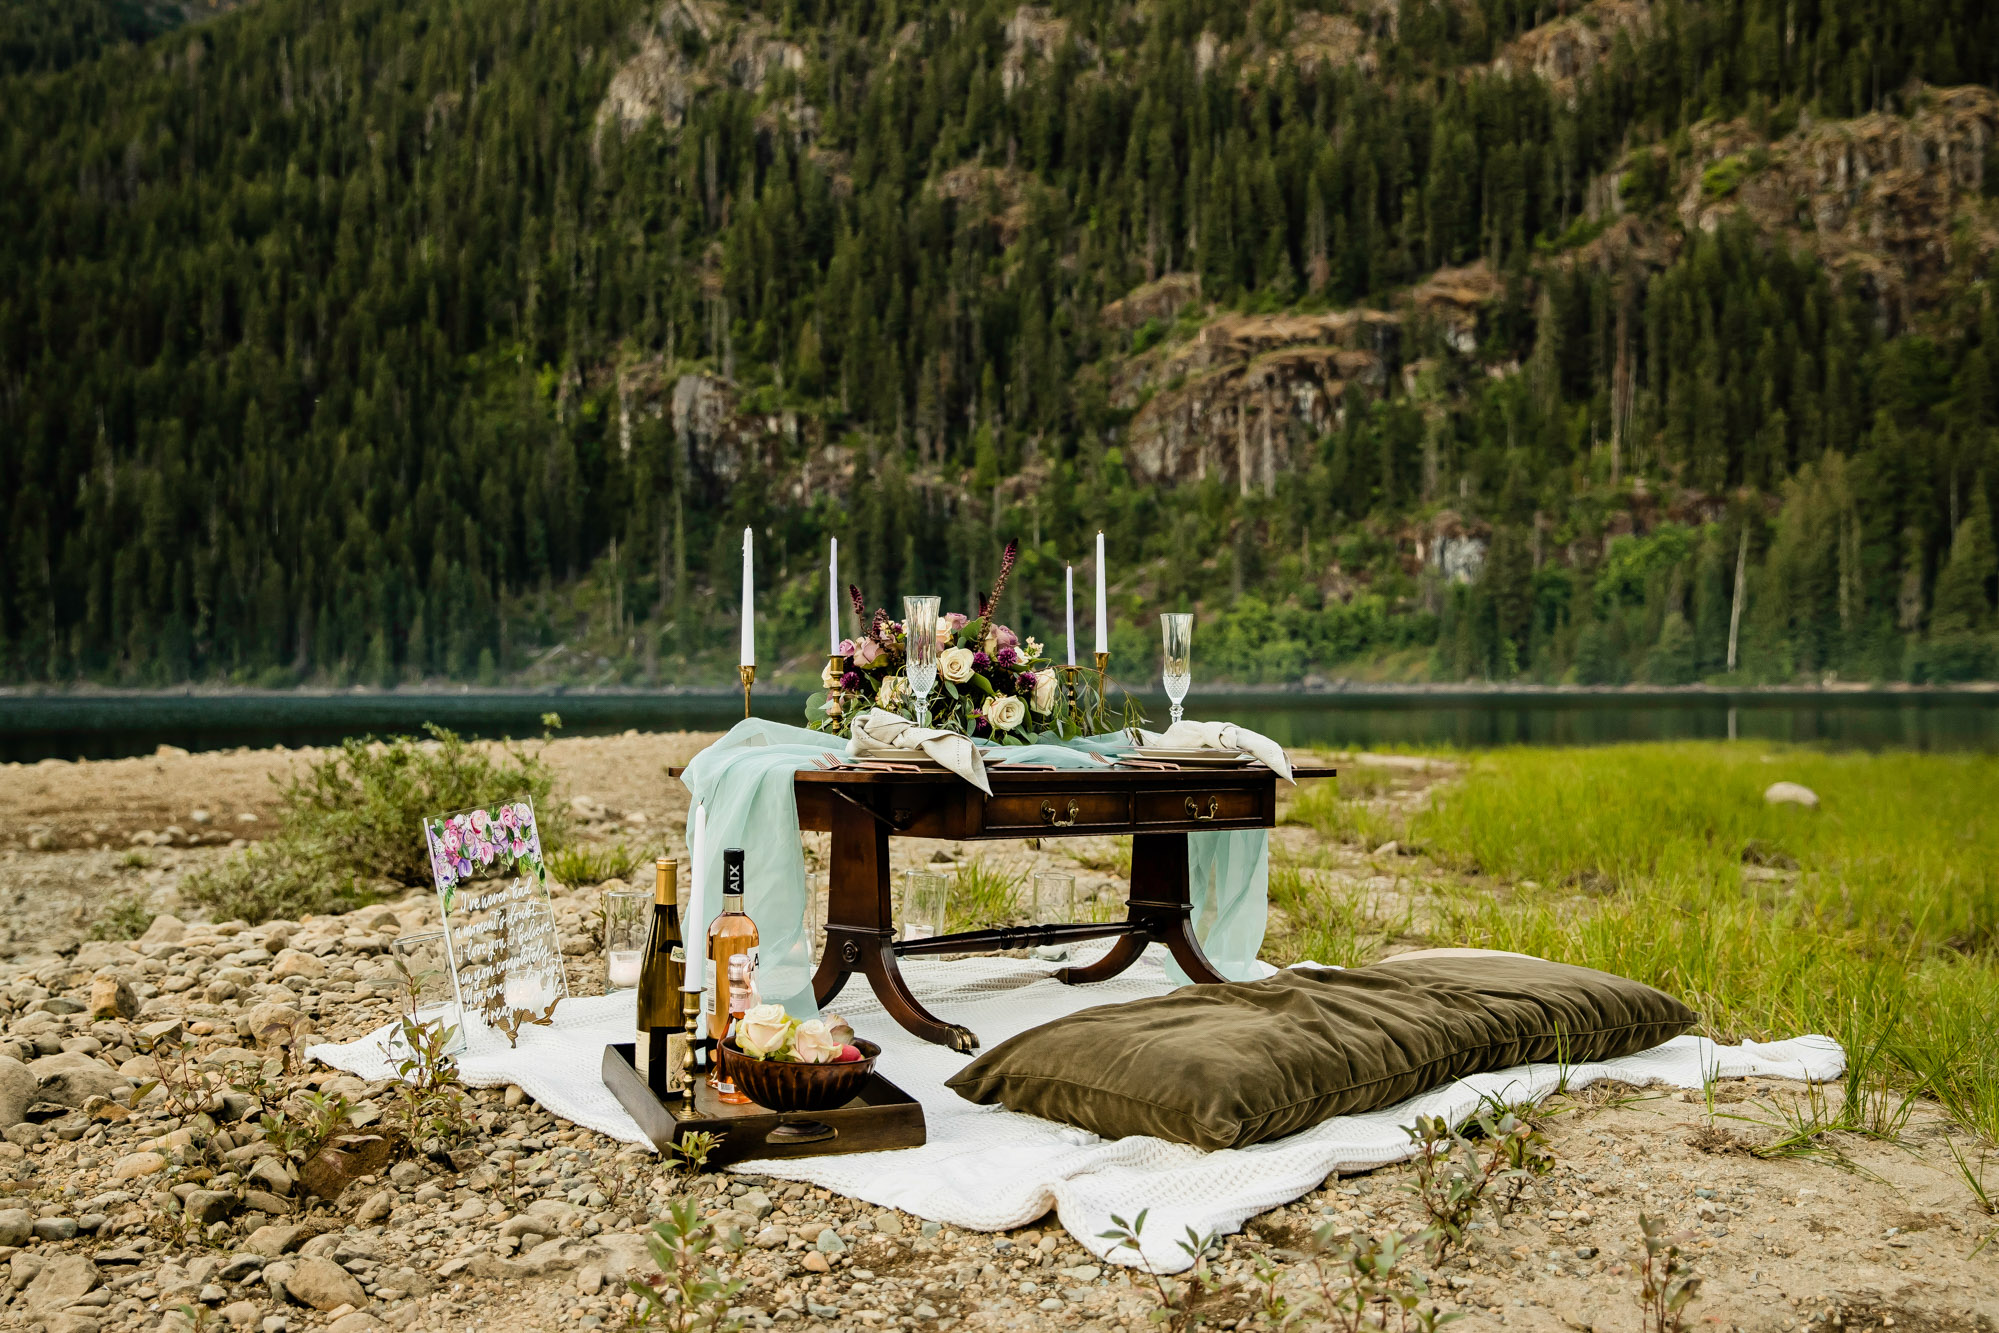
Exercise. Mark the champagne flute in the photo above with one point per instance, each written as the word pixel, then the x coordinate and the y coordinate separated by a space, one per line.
pixel 919 625
pixel 1176 628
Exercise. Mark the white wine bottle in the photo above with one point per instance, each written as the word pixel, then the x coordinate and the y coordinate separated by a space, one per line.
pixel 661 1054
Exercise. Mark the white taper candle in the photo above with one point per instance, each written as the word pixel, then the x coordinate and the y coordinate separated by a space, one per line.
pixel 833 601
pixel 1069 599
pixel 749 604
pixel 1103 615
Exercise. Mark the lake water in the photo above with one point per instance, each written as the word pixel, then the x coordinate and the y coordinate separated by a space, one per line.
pixel 36 727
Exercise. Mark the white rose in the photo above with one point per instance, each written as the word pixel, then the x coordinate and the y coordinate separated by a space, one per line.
pixel 892 690
pixel 955 665
pixel 763 1031
pixel 1045 690
pixel 813 1044
pixel 1004 712
pixel 829 678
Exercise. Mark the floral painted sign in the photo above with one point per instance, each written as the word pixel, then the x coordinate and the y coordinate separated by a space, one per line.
pixel 506 954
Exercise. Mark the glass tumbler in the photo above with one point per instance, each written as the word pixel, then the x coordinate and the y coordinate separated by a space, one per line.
pixel 919 624
pixel 627 916
pixel 430 994
pixel 925 904
pixel 1054 896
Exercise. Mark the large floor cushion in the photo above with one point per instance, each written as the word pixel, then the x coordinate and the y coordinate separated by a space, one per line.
pixel 1229 1065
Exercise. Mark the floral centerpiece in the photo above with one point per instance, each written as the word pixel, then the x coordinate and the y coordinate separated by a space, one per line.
pixel 991 683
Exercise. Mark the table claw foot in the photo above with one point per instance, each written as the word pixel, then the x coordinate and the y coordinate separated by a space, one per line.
pixel 962 1039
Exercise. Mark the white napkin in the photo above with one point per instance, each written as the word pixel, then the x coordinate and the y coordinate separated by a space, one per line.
pixel 878 729
pixel 1222 736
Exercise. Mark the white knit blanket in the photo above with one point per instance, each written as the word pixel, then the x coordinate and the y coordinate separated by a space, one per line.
pixel 989 1169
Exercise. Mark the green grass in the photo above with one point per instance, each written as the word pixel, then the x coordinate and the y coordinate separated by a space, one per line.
pixel 1886 936
pixel 583 864
pixel 984 895
pixel 1338 809
pixel 1325 921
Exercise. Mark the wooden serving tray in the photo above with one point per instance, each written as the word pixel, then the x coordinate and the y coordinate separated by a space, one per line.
pixel 882 1117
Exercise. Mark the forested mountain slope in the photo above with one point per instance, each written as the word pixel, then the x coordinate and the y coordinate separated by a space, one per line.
pixel 350 340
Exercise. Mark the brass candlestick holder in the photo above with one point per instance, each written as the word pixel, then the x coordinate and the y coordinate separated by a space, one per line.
pixel 690 1017
pixel 836 667
pixel 1103 668
pixel 749 675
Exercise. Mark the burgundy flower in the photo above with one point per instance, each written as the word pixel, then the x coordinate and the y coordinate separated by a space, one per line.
pixel 1007 657
pixel 1027 679
pixel 851 681
pixel 860 603
pixel 980 662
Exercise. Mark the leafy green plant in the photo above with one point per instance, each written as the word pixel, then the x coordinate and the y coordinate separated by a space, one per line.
pixel 1360 1281
pixel 1453 1178
pixel 429 1100
pixel 319 1118
pixel 352 819
pixel 693 1149
pixel 1667 1283
pixel 1983 1197
pixel 687 1293
pixel 1174 1310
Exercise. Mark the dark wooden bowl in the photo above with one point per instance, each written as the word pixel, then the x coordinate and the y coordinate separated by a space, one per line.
pixel 785 1085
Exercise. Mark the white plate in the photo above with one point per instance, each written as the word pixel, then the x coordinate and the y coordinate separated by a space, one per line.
pixel 1178 753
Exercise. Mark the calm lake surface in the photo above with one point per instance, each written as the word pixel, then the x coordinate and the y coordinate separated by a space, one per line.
pixel 36 727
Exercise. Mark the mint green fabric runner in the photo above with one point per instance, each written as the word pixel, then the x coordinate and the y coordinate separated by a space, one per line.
pixel 744 782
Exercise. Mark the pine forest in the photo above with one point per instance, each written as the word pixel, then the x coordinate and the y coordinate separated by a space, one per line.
pixel 1629 341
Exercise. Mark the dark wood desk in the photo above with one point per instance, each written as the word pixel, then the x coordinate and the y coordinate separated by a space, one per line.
pixel 863 809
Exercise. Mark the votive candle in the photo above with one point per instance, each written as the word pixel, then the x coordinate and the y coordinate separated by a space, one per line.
pixel 621 967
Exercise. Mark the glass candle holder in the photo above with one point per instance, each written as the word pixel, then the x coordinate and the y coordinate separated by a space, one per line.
pixel 926 901
pixel 1054 896
pixel 627 914
pixel 430 995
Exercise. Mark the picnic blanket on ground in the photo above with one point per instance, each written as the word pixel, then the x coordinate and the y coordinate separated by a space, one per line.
pixel 990 1169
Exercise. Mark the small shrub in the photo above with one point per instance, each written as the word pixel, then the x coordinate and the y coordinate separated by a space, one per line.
pixel 1175 1311
pixel 1453 1178
pixel 355 819
pixel 688 1293
pixel 1363 1281
pixel 125 919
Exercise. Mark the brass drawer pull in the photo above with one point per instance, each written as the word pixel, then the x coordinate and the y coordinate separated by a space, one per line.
pixel 1194 812
pixel 1053 820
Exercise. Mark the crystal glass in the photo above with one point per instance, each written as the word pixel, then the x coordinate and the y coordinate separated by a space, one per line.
pixel 627 914
pixel 1054 896
pixel 926 901
pixel 919 624
pixel 423 965
pixel 1176 628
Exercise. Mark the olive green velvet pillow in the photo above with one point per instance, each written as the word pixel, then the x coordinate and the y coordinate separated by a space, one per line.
pixel 1230 1065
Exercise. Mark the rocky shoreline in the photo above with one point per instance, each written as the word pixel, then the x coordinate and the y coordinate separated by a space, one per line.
pixel 143 1187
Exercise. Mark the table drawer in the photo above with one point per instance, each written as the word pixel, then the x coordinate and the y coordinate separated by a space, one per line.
pixel 1041 812
pixel 1223 808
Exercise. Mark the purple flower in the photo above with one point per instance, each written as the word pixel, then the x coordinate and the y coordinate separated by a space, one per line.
pixel 980 662
pixel 464 866
pixel 1007 657
pixel 851 681
pixel 1027 679
pixel 846 647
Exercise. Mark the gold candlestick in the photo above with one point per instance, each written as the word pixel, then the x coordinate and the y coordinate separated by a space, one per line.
pixel 836 667
pixel 749 674
pixel 1103 664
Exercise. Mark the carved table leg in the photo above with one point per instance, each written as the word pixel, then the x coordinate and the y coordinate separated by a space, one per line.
pixel 1160 902
pixel 860 932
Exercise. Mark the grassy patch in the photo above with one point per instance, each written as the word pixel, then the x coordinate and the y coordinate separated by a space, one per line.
pixel 353 821
pixel 1340 809
pixel 1655 862
pixel 593 865
pixel 124 919
pixel 1325 920
pixel 984 895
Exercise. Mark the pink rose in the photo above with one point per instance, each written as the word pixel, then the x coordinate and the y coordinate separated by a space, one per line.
pixel 867 652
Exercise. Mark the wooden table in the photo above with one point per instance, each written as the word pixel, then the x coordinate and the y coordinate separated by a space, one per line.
pixel 863 809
